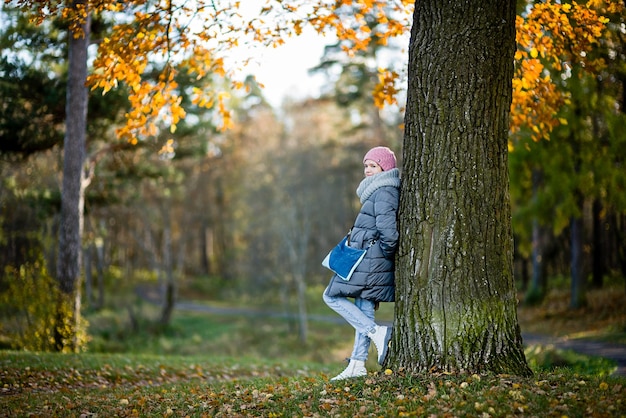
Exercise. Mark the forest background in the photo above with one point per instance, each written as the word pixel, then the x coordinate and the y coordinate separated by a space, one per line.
pixel 247 214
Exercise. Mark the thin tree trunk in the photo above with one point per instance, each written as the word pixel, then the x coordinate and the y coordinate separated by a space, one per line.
pixel 599 251
pixel 100 271
pixel 221 233
pixel 303 317
pixel 524 272
pixel 87 257
pixel 619 231
pixel 538 278
pixel 537 289
pixel 296 237
pixel 577 296
pixel 72 200
pixel 169 289
pixel 455 296
pixel 205 248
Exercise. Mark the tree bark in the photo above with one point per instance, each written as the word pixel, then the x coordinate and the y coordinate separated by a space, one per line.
pixel 72 200
pixel 455 294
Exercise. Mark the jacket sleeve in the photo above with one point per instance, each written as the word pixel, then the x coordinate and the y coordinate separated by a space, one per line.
pixel 386 211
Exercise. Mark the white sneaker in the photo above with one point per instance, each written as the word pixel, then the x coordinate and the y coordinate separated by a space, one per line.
pixel 380 337
pixel 356 368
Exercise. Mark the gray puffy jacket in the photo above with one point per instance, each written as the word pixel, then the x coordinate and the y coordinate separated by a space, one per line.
pixel 377 220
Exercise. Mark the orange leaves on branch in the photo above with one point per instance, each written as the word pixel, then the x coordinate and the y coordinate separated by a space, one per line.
pixel 551 39
pixel 356 23
pixel 156 40
pixel 560 32
pixel 351 21
pixel 74 12
pixel 163 37
pixel 385 90
pixel 148 53
pixel 152 104
pixel 541 99
pixel 227 120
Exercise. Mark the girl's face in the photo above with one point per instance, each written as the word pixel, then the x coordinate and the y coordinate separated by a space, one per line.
pixel 371 168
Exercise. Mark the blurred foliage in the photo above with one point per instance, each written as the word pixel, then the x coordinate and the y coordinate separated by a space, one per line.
pixel 31 305
pixel 33 71
pixel 547 358
pixel 576 173
pixel 602 319
pixel 21 237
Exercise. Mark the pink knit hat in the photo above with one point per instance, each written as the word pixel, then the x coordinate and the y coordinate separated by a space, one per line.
pixel 383 156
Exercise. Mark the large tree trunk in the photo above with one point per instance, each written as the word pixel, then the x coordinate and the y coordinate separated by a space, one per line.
pixel 72 200
pixel 455 297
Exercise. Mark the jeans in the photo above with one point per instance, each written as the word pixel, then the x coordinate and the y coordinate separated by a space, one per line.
pixel 360 315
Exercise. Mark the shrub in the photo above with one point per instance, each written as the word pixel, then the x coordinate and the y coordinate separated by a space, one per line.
pixel 36 314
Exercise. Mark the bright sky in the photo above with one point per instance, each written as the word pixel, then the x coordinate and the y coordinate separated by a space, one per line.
pixel 284 70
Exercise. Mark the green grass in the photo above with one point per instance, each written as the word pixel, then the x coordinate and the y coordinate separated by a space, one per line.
pixel 222 365
pixel 195 386
pixel 194 333
pixel 543 358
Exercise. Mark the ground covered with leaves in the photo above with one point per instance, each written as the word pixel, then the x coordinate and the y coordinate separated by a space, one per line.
pixel 222 366
pixel 92 385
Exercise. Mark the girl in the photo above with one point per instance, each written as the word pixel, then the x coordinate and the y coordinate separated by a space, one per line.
pixel 373 280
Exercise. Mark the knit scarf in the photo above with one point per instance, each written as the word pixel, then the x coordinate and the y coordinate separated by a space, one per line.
pixel 372 183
